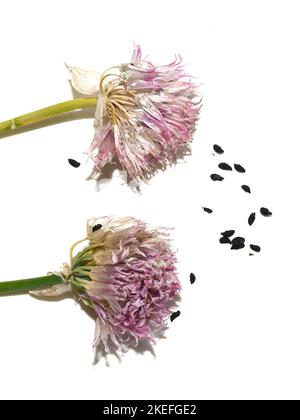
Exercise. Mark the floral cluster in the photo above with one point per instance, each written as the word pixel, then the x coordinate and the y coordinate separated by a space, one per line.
pixel 145 115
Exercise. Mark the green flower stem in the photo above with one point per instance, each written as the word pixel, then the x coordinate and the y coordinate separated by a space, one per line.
pixel 46 113
pixel 21 286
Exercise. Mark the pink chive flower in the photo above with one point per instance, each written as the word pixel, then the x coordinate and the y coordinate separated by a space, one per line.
pixel 145 115
pixel 127 274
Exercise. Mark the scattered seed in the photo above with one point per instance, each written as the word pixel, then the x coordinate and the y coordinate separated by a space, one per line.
pixel 239 168
pixel 228 233
pixel 174 315
pixel 246 188
pixel 218 149
pixel 216 177
pixel 74 163
pixel 238 240
pixel 251 219
pixel 255 248
pixel 192 278
pixel 251 255
pixel 224 240
pixel 265 212
pixel 207 209
pixel 96 227
pixel 225 166
pixel 238 246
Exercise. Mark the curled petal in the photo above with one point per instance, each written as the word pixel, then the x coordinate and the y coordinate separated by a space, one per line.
pixel 136 56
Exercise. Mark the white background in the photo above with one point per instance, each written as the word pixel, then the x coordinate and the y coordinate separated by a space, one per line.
pixel 238 335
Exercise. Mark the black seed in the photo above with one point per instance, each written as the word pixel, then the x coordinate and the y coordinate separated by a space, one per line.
pixel 239 168
pixel 255 248
pixel 265 212
pixel 218 149
pixel 96 227
pixel 224 240
pixel 238 240
pixel 246 188
pixel 238 246
pixel 174 315
pixel 251 219
pixel 207 209
pixel 74 163
pixel 250 255
pixel 192 278
pixel 228 233
pixel 225 166
pixel 216 177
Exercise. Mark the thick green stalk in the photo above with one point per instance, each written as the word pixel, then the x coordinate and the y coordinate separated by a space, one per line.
pixel 46 113
pixel 21 286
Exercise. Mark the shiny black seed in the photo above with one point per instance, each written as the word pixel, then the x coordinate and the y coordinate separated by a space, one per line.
pixel 192 278
pixel 216 177
pixel 207 209
pixel 174 315
pixel 238 246
pixel 224 240
pixel 255 248
pixel 74 163
pixel 96 227
pixel 265 212
pixel 225 166
pixel 218 149
pixel 251 255
pixel 228 233
pixel 251 219
pixel 239 168
pixel 238 240
pixel 246 188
